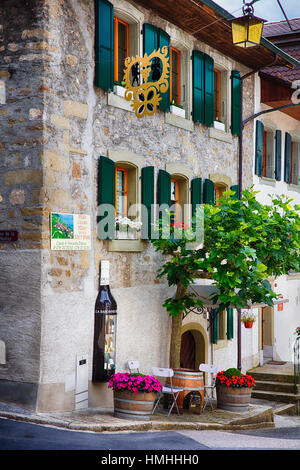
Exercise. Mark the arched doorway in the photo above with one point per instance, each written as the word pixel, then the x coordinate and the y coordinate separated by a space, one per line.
pixel 194 346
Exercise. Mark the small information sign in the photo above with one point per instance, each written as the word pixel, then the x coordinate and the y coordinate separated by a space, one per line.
pixel 8 236
pixel 70 232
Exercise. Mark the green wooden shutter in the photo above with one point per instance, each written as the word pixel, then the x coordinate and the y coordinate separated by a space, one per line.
pixel 215 326
pixel 235 188
pixel 209 192
pixel 164 188
pixel 229 323
pixel 198 86
pixel 259 148
pixel 196 193
pixel 278 155
pixel 164 40
pixel 106 189
pixel 208 90
pixel 236 90
pixel 147 199
pixel 104 45
pixel 150 38
pixel 287 157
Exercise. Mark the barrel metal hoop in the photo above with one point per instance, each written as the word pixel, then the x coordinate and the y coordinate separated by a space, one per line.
pixel 145 402
pixel 120 410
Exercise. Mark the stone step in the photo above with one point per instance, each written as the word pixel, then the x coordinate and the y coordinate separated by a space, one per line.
pixel 275 386
pixel 276 396
pixel 269 377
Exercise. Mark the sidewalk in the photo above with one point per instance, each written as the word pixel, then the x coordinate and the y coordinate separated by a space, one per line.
pixel 260 415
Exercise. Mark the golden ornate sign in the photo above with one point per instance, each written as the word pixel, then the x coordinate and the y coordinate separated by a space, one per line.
pixel 145 96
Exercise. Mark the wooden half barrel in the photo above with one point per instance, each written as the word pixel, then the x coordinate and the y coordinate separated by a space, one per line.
pixel 233 399
pixel 129 405
pixel 191 381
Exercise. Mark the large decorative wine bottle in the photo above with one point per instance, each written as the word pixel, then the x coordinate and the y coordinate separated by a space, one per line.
pixel 104 358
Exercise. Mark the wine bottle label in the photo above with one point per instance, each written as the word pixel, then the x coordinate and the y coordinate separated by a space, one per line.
pixel 104 277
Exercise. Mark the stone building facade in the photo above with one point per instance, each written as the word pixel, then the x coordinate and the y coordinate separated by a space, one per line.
pixel 55 124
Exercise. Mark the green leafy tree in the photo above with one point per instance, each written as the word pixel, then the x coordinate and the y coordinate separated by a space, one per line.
pixel 245 242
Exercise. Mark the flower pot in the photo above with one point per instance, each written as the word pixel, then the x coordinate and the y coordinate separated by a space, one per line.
pixel 233 398
pixel 119 90
pixel 129 405
pixel 219 125
pixel 178 111
pixel 248 324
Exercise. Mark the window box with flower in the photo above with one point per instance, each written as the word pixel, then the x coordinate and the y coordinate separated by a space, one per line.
pixel 233 390
pixel 177 109
pixel 134 395
pixel 119 88
pixel 127 228
pixel 219 125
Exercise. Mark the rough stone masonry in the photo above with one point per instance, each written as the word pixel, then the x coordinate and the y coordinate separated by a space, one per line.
pixel 54 126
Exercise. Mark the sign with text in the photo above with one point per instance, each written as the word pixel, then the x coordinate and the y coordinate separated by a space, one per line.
pixel 70 232
pixel 8 236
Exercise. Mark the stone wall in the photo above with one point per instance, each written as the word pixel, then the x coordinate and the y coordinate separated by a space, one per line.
pixel 51 152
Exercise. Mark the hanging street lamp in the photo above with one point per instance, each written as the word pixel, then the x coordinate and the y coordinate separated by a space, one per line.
pixel 247 29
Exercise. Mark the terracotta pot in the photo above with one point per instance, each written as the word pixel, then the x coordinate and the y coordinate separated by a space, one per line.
pixel 233 398
pixel 129 405
pixel 248 324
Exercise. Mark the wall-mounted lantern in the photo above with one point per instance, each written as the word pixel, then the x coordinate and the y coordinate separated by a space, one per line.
pixel 247 29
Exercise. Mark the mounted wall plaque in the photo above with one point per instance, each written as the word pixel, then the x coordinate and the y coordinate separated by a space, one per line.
pixel 9 235
pixel 70 232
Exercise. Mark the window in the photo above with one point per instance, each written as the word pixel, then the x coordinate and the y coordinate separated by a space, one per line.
pixel 121 192
pixel 217 95
pixel 174 200
pixel 268 160
pixel 295 163
pixel 175 76
pixel 219 190
pixel 121 48
pixel 179 198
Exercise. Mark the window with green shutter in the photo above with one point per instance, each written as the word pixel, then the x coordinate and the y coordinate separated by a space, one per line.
pixel 196 196
pixel 147 200
pixel 104 45
pixel 198 86
pixel 278 140
pixel 236 90
pixel 106 193
pixel 164 40
pixel 259 148
pixel 209 100
pixel 153 39
pixel 215 326
pixel 209 192
pixel 229 323
pixel 163 191
pixel 287 157
pixel 235 188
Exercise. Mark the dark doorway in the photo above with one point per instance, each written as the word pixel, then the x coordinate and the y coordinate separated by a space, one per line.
pixel 187 351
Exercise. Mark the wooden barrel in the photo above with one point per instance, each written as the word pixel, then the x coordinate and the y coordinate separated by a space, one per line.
pixel 129 405
pixel 233 399
pixel 191 381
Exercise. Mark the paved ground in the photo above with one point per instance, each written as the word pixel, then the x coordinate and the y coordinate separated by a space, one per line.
pixel 261 414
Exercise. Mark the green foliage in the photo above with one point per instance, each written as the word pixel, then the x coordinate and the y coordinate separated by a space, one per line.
pixel 245 242
pixel 232 372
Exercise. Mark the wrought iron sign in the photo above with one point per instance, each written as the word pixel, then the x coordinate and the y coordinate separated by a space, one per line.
pixel 145 79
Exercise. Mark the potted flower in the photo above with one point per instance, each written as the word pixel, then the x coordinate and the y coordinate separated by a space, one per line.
pixel 134 395
pixel 119 88
pixel 248 320
pixel 218 124
pixel 233 390
pixel 177 109
pixel 127 228
pixel 297 332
